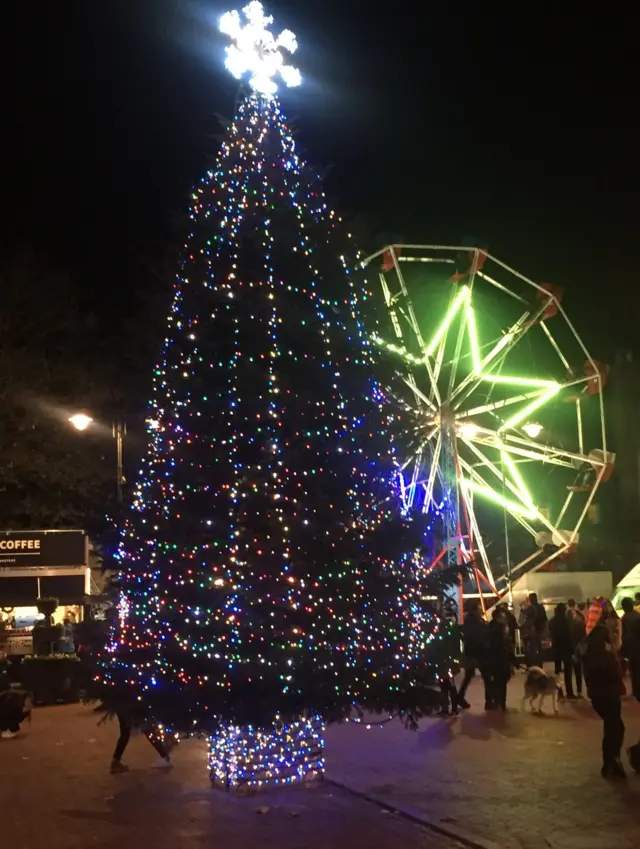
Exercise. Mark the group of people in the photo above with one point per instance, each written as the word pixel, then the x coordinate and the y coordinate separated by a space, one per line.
pixel 590 645
pixel 490 648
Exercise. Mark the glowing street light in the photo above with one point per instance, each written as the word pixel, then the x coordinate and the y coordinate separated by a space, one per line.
pixel 532 429
pixel 80 421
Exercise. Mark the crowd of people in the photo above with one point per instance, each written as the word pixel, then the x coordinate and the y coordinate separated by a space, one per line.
pixel 588 643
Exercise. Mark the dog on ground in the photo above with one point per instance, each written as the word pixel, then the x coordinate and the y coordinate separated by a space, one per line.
pixel 538 685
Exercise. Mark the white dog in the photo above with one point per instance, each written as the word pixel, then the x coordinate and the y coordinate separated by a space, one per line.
pixel 539 685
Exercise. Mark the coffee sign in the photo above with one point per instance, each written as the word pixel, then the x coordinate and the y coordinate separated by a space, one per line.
pixel 19 544
pixel 43 548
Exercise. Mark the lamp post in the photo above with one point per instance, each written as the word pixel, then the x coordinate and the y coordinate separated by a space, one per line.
pixel 81 421
pixel 119 430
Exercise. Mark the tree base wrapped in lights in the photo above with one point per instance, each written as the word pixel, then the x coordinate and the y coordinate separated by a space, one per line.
pixel 251 758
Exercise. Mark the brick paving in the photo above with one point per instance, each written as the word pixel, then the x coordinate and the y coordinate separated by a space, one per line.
pixel 526 782
pixel 56 792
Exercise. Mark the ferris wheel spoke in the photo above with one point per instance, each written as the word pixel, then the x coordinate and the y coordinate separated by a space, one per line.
pixel 390 304
pixel 463 328
pixel 531 407
pixel 556 347
pixel 490 439
pixel 420 396
pixel 501 287
pixel 437 366
pixel 414 478
pixel 564 507
pixel 477 537
pixel 433 471
pixel 551 452
pixel 502 346
pixel 517 487
pixel 477 484
pixel 505 402
pixel 442 329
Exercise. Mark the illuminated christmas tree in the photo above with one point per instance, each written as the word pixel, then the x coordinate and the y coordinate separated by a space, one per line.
pixel 264 590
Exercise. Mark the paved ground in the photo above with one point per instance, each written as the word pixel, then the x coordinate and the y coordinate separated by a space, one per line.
pixel 56 792
pixel 524 781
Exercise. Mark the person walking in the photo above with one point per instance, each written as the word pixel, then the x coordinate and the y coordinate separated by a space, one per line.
pixel 562 647
pixel 127 724
pixel 578 626
pixel 475 640
pixel 605 686
pixel 629 619
pixel 448 669
pixel 613 624
pixel 501 656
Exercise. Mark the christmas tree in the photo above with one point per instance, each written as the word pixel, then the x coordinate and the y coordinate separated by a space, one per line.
pixel 263 586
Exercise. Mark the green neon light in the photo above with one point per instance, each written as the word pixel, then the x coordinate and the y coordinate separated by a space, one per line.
pixel 520 381
pixel 526 411
pixel 517 479
pixel 451 314
pixel 473 337
pixel 400 350
pixel 526 511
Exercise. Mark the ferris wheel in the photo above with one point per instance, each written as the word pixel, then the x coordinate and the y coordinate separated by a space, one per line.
pixel 498 410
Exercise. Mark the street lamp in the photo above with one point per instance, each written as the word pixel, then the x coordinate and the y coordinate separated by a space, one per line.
pixel 81 421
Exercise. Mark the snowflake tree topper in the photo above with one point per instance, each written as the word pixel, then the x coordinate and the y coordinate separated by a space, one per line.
pixel 256 51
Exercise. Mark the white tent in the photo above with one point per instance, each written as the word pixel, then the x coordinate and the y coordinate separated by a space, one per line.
pixel 627 587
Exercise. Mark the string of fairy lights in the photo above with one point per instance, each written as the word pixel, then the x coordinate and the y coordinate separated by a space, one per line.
pixel 252 595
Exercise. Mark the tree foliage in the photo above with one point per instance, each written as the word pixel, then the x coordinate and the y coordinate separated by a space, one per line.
pixel 51 476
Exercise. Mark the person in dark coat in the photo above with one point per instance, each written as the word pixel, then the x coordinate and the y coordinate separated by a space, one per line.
pixel 512 622
pixel 475 640
pixel 578 626
pixel 449 664
pixel 605 686
pixel 500 659
pixel 15 707
pixel 633 657
pixel 629 619
pixel 562 645
pixel 533 623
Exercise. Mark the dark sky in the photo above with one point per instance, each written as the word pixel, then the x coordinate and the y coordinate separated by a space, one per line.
pixel 520 128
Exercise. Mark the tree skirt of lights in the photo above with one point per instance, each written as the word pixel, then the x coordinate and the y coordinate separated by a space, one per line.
pixel 251 758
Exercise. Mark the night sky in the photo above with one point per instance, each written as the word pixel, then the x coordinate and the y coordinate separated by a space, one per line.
pixel 520 129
